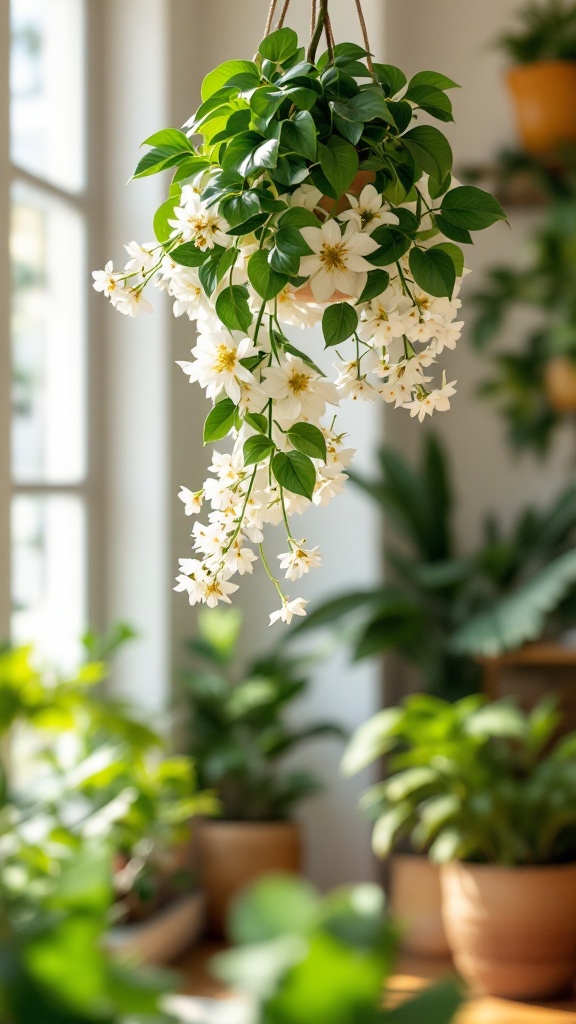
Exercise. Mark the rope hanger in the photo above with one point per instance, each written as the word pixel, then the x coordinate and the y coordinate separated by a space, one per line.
pixel 320 22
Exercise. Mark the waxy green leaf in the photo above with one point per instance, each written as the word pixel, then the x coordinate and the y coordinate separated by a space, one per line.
pixel 308 439
pixel 220 420
pixel 257 448
pixel 232 308
pixel 295 472
pixel 338 323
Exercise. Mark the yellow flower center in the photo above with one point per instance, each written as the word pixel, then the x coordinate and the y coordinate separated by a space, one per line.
pixel 334 256
pixel 225 361
pixel 298 382
pixel 213 588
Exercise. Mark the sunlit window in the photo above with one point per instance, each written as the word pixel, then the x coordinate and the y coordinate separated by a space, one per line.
pixel 49 444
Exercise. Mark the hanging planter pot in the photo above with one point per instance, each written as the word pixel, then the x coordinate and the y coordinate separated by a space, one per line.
pixel 544 97
pixel 560 383
pixel 314 196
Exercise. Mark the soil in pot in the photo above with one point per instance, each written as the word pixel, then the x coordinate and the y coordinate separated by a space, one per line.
pixel 512 931
pixel 416 902
pixel 233 854
pixel 544 96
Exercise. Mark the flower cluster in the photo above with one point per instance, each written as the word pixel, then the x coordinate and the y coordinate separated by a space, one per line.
pixel 272 223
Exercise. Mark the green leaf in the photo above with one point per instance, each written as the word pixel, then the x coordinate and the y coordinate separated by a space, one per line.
pixel 519 617
pixel 298 217
pixel 257 420
pixel 257 448
pixel 308 439
pixel 299 134
pixel 301 97
pixel 279 45
pixel 338 323
pixel 208 272
pixel 163 214
pixel 238 209
pixel 224 73
pixel 434 79
pixel 232 308
pixel 157 160
pixel 429 149
pixel 451 230
pixel 339 163
pixel 170 137
pixel 455 254
pixel 433 101
pixel 472 208
pixel 264 103
pixel 187 255
pixel 393 244
pixel 283 262
pixel 263 278
pixel 371 740
pixel 226 261
pixel 376 283
pixel 272 908
pixel 220 420
pixel 290 241
pixel 436 1005
pixel 369 105
pixel 392 78
pixel 295 472
pixel 434 270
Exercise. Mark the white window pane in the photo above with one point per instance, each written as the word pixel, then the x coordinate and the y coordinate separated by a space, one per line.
pixel 49 575
pixel 47 89
pixel 48 340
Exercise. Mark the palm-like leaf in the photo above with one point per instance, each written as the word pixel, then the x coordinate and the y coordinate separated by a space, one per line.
pixel 522 615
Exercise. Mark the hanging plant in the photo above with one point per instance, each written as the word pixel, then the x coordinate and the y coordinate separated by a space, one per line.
pixel 314 198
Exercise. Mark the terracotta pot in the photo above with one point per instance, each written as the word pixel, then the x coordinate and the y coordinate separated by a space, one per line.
pixel 544 95
pixel 416 902
pixel 560 383
pixel 338 206
pixel 235 853
pixel 512 931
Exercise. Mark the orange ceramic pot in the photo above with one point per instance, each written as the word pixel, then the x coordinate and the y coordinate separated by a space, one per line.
pixel 233 854
pixel 560 383
pixel 544 95
pixel 512 931
pixel 416 902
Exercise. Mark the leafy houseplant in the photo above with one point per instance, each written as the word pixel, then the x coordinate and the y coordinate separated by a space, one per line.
pixel 442 606
pixel 304 959
pixel 487 791
pixel 543 76
pixel 314 196
pixel 237 736
pixel 99 773
pixel 536 384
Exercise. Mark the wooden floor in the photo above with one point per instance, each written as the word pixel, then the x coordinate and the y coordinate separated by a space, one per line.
pixel 412 975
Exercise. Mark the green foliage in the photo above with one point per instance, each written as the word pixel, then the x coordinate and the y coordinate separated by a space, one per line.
pixel 442 606
pixel 304 959
pixel 472 780
pixel 547 31
pixel 546 287
pixel 237 733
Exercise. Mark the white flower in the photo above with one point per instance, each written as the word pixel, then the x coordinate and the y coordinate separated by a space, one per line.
pixel 307 196
pixel 107 281
pixel 192 500
pixel 438 400
pixel 199 223
pixel 337 263
pixel 288 610
pixel 143 258
pixel 240 559
pixel 299 393
pixel 218 590
pixel 131 302
pixel 217 365
pixel 291 308
pixel 368 211
pixel 358 390
pixel 298 560
pixel 382 321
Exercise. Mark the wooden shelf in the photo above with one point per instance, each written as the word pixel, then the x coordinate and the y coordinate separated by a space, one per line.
pixel 541 654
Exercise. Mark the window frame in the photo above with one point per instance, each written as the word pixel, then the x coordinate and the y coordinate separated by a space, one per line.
pixel 87 203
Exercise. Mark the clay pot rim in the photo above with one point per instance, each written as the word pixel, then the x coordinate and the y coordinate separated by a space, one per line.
pixel 550 62
pixel 481 867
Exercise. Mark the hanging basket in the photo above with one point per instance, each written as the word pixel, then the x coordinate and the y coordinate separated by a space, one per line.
pixel 315 197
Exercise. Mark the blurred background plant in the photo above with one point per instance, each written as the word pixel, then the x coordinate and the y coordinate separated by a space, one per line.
pixel 443 607
pixel 238 728
pixel 472 780
pixel 544 31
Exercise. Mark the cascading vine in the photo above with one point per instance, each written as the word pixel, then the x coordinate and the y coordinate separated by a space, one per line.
pixel 315 197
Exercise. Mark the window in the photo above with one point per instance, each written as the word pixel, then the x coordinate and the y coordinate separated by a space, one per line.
pixel 50 463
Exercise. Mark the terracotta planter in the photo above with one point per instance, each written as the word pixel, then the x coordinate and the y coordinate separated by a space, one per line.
pixel 338 206
pixel 235 853
pixel 165 935
pixel 416 902
pixel 512 930
pixel 544 95
pixel 560 383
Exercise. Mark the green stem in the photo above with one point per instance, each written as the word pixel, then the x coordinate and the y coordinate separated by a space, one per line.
pixel 285 515
pixel 243 512
pixel 269 573
pixel 320 23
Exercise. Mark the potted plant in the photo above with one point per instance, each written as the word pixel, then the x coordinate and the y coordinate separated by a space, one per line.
pixel 237 735
pixel 542 78
pixel 266 227
pixel 100 773
pixel 491 795
pixel 536 383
